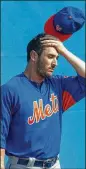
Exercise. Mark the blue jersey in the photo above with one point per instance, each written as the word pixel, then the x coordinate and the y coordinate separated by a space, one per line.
pixel 31 117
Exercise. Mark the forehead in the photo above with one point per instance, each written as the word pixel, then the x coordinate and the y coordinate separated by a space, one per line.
pixel 50 50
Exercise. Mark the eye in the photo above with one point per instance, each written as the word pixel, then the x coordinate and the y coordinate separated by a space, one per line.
pixel 51 56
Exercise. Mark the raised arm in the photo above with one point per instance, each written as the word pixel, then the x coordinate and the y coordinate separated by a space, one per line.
pixel 76 62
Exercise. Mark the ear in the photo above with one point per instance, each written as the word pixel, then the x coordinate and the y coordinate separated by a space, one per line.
pixel 33 55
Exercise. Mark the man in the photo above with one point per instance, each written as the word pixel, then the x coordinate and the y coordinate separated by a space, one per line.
pixel 33 103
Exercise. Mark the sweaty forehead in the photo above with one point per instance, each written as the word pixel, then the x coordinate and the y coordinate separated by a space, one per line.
pixel 50 50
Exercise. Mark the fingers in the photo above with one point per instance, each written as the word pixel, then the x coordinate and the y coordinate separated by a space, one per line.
pixel 51 43
pixel 48 41
pixel 45 40
pixel 49 37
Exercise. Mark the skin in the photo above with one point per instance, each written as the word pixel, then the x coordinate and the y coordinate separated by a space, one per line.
pixel 2 152
pixel 47 62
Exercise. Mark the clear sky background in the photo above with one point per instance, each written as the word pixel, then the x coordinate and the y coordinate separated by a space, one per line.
pixel 20 22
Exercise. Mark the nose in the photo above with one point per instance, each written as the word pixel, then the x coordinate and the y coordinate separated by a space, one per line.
pixel 54 63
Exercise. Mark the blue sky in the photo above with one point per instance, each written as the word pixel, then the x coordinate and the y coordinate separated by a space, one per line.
pixel 20 22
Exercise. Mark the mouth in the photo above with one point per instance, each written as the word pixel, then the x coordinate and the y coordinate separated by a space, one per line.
pixel 51 70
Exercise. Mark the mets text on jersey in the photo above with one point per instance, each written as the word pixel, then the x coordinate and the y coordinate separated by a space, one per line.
pixel 39 113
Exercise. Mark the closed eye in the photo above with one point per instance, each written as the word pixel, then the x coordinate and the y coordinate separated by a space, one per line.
pixel 51 56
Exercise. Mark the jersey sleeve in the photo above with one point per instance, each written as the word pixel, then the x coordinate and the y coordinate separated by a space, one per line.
pixel 5 114
pixel 73 90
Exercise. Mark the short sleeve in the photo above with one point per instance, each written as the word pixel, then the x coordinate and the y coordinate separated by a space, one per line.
pixel 5 113
pixel 73 90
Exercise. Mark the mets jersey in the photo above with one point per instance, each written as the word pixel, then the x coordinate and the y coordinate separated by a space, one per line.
pixel 31 114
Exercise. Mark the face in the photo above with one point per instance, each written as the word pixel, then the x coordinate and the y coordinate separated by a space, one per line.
pixel 47 62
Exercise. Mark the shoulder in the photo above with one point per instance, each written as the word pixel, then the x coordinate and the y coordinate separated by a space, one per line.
pixel 12 84
pixel 54 78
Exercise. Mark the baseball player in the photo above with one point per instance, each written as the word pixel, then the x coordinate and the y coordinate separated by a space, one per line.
pixel 33 103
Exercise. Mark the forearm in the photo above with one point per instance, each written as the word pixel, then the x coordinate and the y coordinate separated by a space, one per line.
pixel 2 158
pixel 76 62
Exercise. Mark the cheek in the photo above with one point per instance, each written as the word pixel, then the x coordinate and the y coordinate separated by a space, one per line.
pixel 47 61
pixel 42 64
pixel 46 64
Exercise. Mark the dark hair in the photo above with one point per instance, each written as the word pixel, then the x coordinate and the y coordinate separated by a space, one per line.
pixel 35 44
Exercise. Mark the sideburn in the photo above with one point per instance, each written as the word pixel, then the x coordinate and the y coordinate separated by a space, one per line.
pixel 40 68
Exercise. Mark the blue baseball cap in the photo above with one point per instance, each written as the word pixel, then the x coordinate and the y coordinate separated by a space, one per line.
pixel 65 22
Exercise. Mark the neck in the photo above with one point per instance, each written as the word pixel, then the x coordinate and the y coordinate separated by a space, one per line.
pixel 30 73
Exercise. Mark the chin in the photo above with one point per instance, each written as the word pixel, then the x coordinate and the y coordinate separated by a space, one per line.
pixel 49 74
pixel 45 74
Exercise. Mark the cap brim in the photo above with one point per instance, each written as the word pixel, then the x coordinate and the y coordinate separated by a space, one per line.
pixel 49 29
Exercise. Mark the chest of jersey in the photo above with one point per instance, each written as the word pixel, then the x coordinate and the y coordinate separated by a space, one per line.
pixel 37 103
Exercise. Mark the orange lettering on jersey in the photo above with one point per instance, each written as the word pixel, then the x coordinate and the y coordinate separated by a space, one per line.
pixel 54 101
pixel 47 110
pixel 39 113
